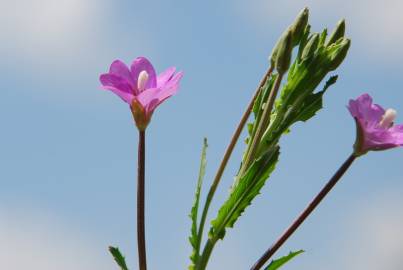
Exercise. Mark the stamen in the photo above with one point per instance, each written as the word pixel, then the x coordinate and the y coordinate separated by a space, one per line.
pixel 388 118
pixel 142 80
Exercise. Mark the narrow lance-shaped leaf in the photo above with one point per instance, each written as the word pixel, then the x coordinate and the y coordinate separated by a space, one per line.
pixel 119 258
pixel 194 240
pixel 276 264
pixel 242 195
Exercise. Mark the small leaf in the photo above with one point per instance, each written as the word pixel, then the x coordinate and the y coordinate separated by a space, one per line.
pixel 194 239
pixel 276 264
pixel 119 258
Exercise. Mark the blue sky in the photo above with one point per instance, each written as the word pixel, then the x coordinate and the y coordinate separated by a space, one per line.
pixel 68 149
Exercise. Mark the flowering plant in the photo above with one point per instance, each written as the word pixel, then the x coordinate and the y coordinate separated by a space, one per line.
pixel 287 94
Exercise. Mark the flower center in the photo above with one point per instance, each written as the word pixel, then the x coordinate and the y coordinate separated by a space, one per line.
pixel 388 118
pixel 142 80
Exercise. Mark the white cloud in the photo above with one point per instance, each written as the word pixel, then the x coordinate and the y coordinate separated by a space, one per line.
pixel 62 44
pixel 35 240
pixel 44 26
pixel 62 35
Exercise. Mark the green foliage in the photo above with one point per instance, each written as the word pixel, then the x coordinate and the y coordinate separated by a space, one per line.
pixel 119 258
pixel 298 101
pixel 194 239
pixel 242 195
pixel 276 264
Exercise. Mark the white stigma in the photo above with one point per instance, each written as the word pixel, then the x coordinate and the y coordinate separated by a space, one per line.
pixel 388 118
pixel 142 80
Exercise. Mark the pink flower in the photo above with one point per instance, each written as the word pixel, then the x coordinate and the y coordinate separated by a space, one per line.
pixel 375 126
pixel 140 87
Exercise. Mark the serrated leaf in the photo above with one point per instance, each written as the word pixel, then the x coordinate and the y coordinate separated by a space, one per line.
pixel 313 102
pixel 194 239
pixel 119 258
pixel 332 80
pixel 276 264
pixel 243 193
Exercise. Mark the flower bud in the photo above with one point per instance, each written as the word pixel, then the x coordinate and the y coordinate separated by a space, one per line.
pixel 298 27
pixel 297 31
pixel 310 47
pixel 338 56
pixel 283 57
pixel 338 32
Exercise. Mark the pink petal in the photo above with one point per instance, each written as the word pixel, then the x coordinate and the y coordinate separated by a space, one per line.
pixel 149 99
pixel 372 113
pixel 117 85
pixel 170 88
pixel 140 64
pixel 165 76
pixel 353 108
pixel 397 131
pixel 119 68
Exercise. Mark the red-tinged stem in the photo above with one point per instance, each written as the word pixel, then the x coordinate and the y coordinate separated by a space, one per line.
pixel 308 210
pixel 140 203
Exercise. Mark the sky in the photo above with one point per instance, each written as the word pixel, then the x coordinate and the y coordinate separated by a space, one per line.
pixel 68 148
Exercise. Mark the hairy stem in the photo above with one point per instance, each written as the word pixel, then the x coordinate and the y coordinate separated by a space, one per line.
pixel 308 210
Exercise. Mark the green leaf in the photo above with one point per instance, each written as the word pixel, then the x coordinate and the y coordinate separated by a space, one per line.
pixel 194 239
pixel 243 193
pixel 276 264
pixel 313 102
pixel 332 80
pixel 119 258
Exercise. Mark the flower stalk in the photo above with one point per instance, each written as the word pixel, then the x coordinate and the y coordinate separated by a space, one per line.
pixel 140 202
pixel 308 210
pixel 227 155
pixel 263 124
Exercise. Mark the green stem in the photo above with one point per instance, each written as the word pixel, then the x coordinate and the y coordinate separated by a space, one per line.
pixel 208 248
pixel 140 202
pixel 308 210
pixel 226 157
pixel 262 125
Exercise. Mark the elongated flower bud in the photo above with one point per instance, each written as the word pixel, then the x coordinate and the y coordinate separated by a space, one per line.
pixel 297 30
pixel 298 26
pixel 338 57
pixel 311 46
pixel 283 58
pixel 338 32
